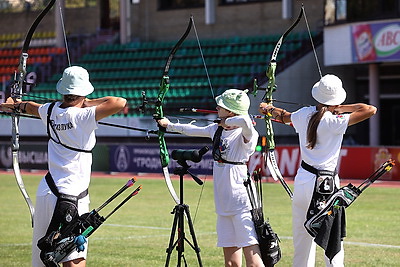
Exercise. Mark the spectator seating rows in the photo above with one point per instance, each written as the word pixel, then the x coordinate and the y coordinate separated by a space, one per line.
pixel 128 69
pixel 9 54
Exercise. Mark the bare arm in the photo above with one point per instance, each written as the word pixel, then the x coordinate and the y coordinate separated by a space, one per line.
pixel 358 112
pixel 276 113
pixel 105 106
pixel 31 108
pixel 27 107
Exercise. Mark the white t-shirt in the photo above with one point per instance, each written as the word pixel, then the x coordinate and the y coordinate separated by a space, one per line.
pixel 75 128
pixel 230 195
pixel 330 131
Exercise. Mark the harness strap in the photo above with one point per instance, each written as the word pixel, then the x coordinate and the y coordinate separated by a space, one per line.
pixel 216 151
pixel 50 125
pixel 54 190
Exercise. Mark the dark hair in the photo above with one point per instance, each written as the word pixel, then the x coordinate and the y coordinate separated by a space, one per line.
pixel 313 125
pixel 70 98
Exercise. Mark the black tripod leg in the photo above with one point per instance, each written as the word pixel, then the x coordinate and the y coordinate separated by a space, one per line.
pixel 172 245
pixel 192 233
pixel 181 210
pixel 181 236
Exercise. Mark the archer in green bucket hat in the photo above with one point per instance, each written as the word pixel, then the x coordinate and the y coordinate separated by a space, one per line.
pixel 234 140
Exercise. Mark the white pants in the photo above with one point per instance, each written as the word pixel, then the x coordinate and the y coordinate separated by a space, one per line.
pixel 303 242
pixel 44 209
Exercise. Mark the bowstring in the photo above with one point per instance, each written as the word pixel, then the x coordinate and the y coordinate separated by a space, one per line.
pixel 312 42
pixel 64 35
pixel 202 58
pixel 213 95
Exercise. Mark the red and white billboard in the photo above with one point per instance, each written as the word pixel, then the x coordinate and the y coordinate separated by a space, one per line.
pixel 354 162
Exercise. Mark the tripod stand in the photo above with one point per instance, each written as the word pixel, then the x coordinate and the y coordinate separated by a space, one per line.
pixel 181 211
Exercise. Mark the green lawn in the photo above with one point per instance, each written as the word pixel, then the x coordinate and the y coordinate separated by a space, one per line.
pixel 138 234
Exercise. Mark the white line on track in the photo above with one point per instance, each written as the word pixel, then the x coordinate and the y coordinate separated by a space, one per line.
pixel 363 244
pixel 137 226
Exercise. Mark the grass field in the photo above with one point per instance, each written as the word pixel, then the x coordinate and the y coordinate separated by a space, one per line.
pixel 138 234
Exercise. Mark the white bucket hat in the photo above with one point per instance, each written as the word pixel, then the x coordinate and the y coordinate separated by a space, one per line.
pixel 329 91
pixel 235 101
pixel 75 81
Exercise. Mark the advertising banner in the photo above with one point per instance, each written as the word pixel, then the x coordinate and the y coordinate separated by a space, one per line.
pixel 354 162
pixel 30 157
pixel 376 42
pixel 146 159
pixel 34 157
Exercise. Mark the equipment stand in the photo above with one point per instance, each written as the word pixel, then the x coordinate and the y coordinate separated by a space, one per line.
pixel 181 211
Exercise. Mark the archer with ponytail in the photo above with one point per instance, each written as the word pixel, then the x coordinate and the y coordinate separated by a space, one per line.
pixel 320 129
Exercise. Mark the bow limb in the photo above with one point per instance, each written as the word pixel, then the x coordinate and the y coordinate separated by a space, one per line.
pixel 269 154
pixel 159 114
pixel 16 92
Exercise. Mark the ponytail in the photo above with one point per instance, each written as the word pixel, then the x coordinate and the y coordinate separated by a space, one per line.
pixel 313 125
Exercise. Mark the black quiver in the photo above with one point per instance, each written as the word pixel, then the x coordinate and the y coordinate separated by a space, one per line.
pixel 268 240
pixel 58 244
pixel 343 198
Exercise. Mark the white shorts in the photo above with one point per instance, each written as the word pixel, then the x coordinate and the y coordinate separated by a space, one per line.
pixel 44 209
pixel 236 230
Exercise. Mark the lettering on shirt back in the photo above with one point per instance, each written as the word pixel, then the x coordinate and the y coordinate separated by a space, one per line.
pixel 62 126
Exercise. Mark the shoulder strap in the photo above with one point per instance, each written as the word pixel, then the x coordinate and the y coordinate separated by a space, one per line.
pixel 216 151
pixel 50 125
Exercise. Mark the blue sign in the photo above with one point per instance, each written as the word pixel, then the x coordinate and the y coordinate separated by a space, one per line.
pixel 146 159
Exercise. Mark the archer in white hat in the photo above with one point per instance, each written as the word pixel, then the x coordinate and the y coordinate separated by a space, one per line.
pixel 320 130
pixel 71 125
pixel 234 141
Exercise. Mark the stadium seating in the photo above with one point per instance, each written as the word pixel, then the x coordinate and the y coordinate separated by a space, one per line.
pixel 128 69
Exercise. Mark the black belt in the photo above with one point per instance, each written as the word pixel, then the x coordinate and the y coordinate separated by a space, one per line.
pixel 308 167
pixel 54 190
pixel 315 171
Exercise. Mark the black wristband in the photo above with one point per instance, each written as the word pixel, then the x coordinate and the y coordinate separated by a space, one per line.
pixel 23 110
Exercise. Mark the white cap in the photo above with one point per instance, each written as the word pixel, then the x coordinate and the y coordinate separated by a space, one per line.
pixel 329 91
pixel 75 81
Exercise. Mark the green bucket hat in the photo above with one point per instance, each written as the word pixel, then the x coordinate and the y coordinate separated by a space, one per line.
pixel 234 100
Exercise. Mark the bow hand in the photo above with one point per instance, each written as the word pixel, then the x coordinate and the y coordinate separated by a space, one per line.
pixel 163 123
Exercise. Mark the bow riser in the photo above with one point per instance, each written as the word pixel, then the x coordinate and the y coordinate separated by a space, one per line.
pixel 164 156
pixel 269 134
pixel 271 85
